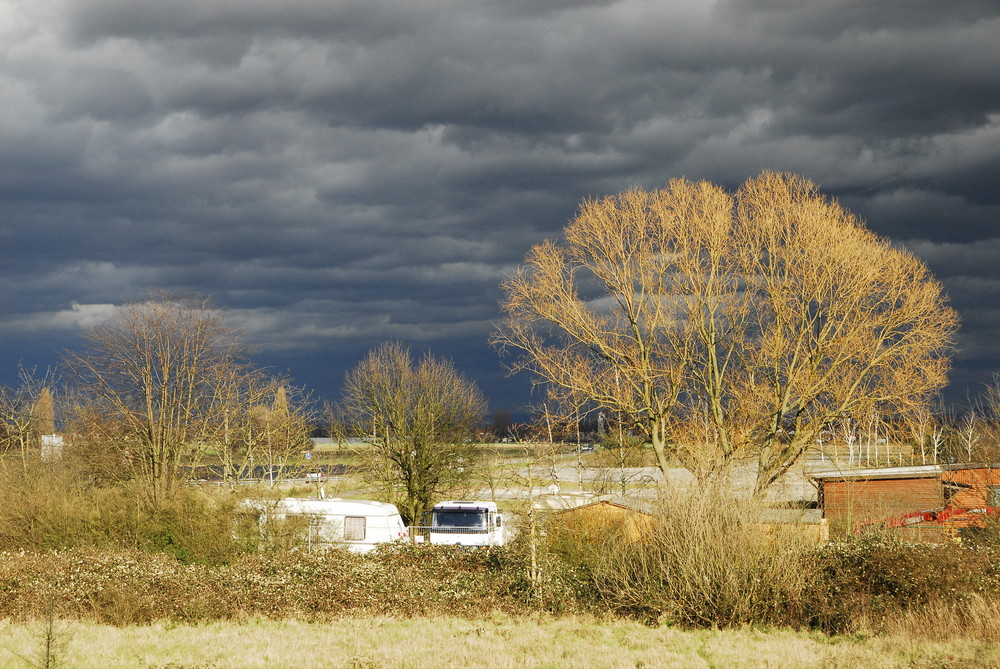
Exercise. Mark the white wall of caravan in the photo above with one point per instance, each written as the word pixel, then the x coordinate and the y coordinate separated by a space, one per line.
pixel 360 525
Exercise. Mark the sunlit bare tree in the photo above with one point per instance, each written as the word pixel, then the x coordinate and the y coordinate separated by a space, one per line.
pixel 27 411
pixel 262 424
pixel 152 376
pixel 419 416
pixel 754 320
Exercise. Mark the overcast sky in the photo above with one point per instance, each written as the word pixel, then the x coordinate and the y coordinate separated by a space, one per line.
pixel 338 173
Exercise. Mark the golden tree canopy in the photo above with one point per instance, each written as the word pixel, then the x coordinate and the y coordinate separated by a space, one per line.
pixel 725 325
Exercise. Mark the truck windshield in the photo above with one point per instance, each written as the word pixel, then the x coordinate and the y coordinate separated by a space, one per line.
pixel 474 520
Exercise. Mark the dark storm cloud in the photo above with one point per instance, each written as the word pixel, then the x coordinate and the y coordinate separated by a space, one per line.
pixel 339 173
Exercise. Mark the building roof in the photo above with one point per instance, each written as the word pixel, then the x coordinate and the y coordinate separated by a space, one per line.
pixel 607 502
pixel 910 472
pixel 327 507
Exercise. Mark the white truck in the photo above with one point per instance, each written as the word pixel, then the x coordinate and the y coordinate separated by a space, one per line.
pixel 467 523
pixel 358 524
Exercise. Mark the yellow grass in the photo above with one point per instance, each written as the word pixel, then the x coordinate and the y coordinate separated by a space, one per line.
pixel 372 643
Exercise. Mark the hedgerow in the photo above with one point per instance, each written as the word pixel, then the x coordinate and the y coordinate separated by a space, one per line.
pixel 136 587
pixel 873 579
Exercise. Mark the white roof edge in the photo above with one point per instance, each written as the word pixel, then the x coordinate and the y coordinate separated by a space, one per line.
pixel 915 470
pixel 911 471
pixel 472 503
pixel 330 505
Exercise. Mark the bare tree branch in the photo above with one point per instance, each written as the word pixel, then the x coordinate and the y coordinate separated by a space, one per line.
pixel 726 326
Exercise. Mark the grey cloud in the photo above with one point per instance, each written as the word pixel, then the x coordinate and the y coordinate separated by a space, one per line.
pixel 915 216
pixel 105 94
pixel 93 20
pixel 952 259
pixel 344 172
pixel 790 17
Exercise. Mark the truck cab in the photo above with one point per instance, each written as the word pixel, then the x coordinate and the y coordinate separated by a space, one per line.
pixel 467 523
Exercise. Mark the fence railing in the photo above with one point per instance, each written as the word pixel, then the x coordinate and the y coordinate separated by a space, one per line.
pixel 422 530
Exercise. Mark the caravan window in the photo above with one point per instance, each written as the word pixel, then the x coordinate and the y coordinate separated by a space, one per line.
pixel 354 528
pixel 472 520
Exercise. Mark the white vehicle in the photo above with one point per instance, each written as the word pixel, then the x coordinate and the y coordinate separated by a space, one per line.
pixel 357 523
pixel 467 523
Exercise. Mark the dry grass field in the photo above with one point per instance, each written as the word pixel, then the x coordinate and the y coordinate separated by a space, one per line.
pixel 441 643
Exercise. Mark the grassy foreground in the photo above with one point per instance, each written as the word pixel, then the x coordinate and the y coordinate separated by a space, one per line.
pixel 442 642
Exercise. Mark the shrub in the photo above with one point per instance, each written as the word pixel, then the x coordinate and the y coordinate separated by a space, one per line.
pixel 705 560
pixel 135 587
pixel 867 581
pixel 40 507
pixel 49 506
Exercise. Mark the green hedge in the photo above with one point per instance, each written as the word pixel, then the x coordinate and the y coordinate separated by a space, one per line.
pixel 135 587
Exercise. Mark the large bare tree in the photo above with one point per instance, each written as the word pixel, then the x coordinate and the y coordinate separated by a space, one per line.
pixel 419 416
pixel 720 326
pixel 153 374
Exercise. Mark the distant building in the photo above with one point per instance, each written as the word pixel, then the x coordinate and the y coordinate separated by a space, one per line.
pixel 590 522
pixel 922 503
pixel 52 447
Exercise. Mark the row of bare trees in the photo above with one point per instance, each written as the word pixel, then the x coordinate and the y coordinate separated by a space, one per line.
pixel 715 326
pixel 166 382
pixel 152 391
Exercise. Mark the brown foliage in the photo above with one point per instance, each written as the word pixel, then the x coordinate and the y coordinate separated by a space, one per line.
pixel 868 583
pixel 703 559
pixel 720 326
pixel 131 588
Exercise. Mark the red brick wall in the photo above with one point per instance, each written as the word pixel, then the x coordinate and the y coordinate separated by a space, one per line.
pixel 971 498
pixel 849 502
pixel 979 479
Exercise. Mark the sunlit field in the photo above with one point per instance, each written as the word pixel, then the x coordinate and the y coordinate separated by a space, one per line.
pixel 439 642
pixel 86 581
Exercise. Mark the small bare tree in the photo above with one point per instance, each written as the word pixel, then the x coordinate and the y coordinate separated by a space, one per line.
pixel 26 413
pixel 968 435
pixel 927 432
pixel 43 413
pixel 284 428
pixel 419 416
pixel 530 477
pixel 990 416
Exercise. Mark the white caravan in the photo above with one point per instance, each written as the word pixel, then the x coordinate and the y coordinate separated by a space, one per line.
pixel 358 524
pixel 467 523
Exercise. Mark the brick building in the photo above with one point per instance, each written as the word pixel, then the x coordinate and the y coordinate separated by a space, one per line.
pixel 892 496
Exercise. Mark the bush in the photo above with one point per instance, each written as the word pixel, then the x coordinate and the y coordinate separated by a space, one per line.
pixel 868 581
pixel 134 587
pixel 51 507
pixel 41 507
pixel 705 560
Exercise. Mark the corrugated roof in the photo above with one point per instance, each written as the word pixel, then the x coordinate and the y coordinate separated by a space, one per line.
pixel 910 472
pixel 917 471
